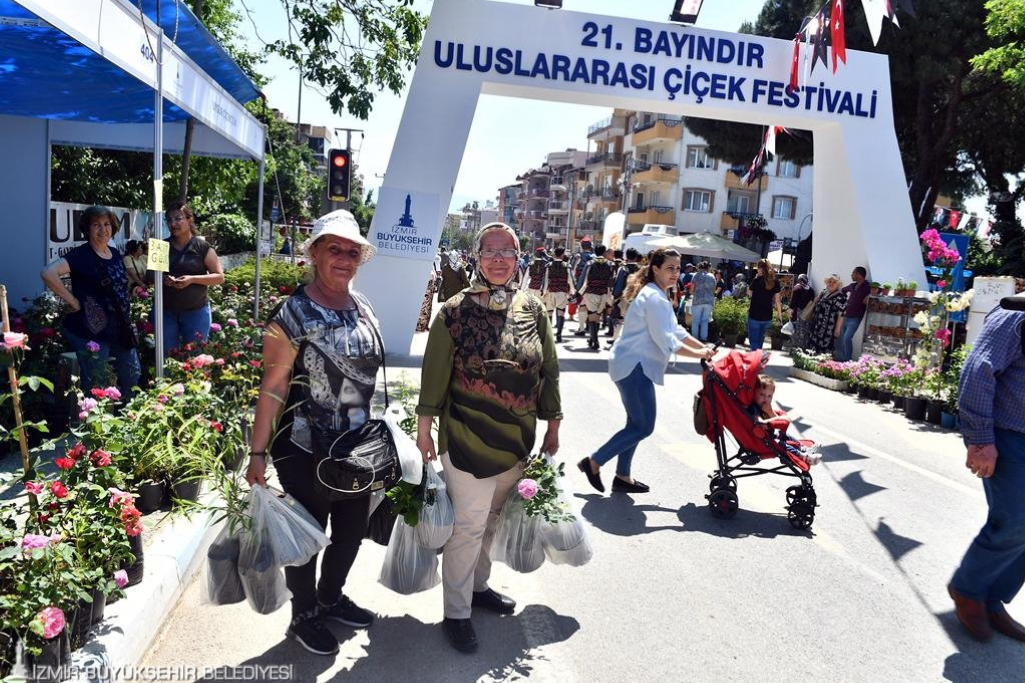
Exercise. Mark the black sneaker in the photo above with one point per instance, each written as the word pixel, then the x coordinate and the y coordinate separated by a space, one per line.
pixel 348 613
pixel 461 634
pixel 308 630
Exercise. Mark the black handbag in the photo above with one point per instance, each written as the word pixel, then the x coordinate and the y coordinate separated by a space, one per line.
pixel 355 463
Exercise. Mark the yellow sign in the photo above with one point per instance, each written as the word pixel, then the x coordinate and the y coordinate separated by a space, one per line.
pixel 159 255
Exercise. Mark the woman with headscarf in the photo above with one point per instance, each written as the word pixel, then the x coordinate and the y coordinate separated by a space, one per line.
pixel 827 320
pixel 327 339
pixel 100 324
pixel 800 297
pixel 490 371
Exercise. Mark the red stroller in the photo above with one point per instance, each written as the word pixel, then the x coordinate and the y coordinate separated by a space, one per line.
pixel 721 406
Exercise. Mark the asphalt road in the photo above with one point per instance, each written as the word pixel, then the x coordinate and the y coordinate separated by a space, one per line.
pixel 673 594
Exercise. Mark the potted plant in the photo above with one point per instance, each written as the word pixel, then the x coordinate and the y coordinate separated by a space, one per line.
pixel 887 288
pixel 912 288
pixel 731 319
pixel 874 289
pixel 776 334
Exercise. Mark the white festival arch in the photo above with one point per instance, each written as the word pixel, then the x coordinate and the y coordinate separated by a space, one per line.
pixel 472 47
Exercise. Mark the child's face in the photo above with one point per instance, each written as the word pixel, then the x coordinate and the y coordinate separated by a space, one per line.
pixel 764 395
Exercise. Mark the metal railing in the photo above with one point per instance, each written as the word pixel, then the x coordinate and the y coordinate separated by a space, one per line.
pixel 669 121
pixel 605 158
pixel 643 209
pixel 642 166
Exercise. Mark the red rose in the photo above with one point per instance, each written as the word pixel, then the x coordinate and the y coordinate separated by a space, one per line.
pixel 100 458
pixel 187 367
pixel 43 518
pixel 77 451
pixel 53 506
pixel 58 489
pixel 255 363
pixel 99 393
pixel 217 426
pixel 64 463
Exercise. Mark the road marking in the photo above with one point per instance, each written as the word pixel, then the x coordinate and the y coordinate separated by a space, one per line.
pixel 875 452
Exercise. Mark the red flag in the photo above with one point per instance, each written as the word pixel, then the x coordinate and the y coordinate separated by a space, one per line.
pixel 954 219
pixel 795 64
pixel 837 33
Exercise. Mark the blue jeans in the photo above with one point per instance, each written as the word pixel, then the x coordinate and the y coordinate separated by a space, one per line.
pixel 182 327
pixel 638 394
pixel 756 330
pixel 700 314
pixel 993 569
pixel 128 367
pixel 846 341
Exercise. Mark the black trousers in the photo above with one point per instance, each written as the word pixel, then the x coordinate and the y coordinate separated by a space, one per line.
pixel 348 527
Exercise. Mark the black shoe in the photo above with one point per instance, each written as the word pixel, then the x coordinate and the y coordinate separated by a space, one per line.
pixel 348 613
pixel 580 333
pixel 595 479
pixel 493 600
pixel 461 634
pixel 308 630
pixel 626 487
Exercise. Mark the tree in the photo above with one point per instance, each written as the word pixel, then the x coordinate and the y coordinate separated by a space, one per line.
pixel 933 83
pixel 352 48
pixel 1005 24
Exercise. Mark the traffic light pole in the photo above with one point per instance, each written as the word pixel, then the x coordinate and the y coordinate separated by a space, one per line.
pixel 158 197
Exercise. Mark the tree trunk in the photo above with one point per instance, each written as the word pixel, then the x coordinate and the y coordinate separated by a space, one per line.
pixel 183 185
pixel 933 147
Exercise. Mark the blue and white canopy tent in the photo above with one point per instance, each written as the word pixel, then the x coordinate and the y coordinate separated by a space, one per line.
pixel 114 74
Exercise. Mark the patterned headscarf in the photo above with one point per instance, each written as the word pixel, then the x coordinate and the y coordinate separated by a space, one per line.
pixel 499 296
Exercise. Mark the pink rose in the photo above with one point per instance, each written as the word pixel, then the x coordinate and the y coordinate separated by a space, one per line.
pixel 162 399
pixel 121 578
pixel 117 497
pixel 232 322
pixel 113 393
pixel 219 361
pixel 34 488
pixel 215 327
pixel 203 360
pixel 527 488
pixel 50 621
pixel 87 405
pixel 92 347
pixel 34 541
pixel 14 340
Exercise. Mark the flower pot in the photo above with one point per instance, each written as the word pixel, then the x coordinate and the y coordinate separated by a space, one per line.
pixel 884 395
pixel 6 654
pixel 151 496
pixel 135 569
pixel 98 607
pixel 914 408
pixel 729 340
pixel 948 420
pixel 46 666
pixel 78 622
pixel 863 391
pixel 776 343
pixel 873 394
pixel 186 490
pixel 851 388
pixel 898 402
pixel 934 411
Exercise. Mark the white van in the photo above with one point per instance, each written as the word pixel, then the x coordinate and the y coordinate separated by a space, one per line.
pixel 649 233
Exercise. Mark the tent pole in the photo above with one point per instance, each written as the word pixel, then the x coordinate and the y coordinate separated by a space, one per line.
pixel 259 230
pixel 158 195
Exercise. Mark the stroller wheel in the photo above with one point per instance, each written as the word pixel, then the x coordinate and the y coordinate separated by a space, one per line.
pixel 801 516
pixel 723 504
pixel 801 494
pixel 722 481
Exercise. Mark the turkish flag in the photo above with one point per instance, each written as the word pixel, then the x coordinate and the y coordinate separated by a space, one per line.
pixel 795 64
pixel 954 219
pixel 837 33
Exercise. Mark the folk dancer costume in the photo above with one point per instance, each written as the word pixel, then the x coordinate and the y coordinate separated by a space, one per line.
pixel 597 291
pixel 619 304
pixel 557 289
pixel 579 267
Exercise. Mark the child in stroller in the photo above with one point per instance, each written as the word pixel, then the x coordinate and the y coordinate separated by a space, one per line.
pixel 765 412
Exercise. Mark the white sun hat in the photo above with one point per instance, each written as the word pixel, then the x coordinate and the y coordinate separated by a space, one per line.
pixel 342 224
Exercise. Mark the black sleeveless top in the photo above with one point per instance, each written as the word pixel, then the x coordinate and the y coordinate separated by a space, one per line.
pixel 188 261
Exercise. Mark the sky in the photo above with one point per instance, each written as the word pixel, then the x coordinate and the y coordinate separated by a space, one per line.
pixel 546 126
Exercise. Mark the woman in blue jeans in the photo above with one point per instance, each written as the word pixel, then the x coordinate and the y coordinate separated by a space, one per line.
pixel 637 363
pixel 765 295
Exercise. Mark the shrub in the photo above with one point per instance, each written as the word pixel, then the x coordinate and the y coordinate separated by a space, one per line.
pixel 279 276
pixel 230 233
pixel 730 315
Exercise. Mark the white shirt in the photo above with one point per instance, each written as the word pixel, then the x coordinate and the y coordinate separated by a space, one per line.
pixel 650 336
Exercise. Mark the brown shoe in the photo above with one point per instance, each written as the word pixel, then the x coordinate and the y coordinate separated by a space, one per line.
pixel 971 614
pixel 1002 622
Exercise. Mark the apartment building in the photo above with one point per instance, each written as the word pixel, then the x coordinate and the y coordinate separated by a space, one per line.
pixel 547 198
pixel 604 166
pixel 673 181
pixel 508 200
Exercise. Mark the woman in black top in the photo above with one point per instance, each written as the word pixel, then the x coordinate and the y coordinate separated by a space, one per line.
pixel 194 267
pixel 765 295
pixel 99 325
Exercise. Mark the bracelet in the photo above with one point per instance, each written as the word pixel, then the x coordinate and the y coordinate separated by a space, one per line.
pixel 258 454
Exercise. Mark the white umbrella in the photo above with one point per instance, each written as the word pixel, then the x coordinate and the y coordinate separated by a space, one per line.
pixel 708 245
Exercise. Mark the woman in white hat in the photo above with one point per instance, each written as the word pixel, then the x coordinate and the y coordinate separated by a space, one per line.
pixel 327 337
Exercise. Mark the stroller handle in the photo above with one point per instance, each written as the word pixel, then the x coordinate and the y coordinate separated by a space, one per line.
pixel 715 349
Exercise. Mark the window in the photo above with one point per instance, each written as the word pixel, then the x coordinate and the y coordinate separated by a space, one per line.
pixel 697 200
pixel 697 157
pixel 738 203
pixel 784 208
pixel 788 169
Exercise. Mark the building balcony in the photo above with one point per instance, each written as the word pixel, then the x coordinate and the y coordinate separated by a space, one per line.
pixel 658 172
pixel 558 207
pixel 539 192
pixel 733 182
pixel 731 220
pixel 605 160
pixel 537 214
pixel 522 194
pixel 661 129
pixel 613 125
pixel 557 188
pixel 639 215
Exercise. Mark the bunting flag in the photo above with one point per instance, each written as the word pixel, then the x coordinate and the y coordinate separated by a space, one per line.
pixel 795 63
pixel 819 49
pixel 756 166
pixel 837 34
pixel 875 12
pixel 770 139
pixel 939 214
pixel 955 218
pixel 966 222
pixel 908 7
pixel 986 229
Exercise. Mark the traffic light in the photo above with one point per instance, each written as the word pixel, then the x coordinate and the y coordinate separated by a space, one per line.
pixel 339 174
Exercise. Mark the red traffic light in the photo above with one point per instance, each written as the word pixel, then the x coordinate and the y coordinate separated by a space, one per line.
pixel 339 160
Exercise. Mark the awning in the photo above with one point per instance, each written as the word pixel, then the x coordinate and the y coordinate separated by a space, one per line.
pixel 708 245
pixel 92 61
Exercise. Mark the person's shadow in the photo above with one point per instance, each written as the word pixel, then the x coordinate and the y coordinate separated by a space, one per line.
pixel 1000 659
pixel 621 515
pixel 407 648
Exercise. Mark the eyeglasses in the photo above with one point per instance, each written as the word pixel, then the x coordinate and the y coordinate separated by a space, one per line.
pixel 504 253
pixel 176 219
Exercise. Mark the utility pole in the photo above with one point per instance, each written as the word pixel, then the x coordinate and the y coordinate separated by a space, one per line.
pixel 299 109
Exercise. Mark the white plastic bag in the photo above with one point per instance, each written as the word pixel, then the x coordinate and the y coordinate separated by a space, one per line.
pixel 437 515
pixel 566 542
pixel 262 580
pixel 411 460
pixel 408 567
pixel 517 540
pixel 788 329
pixel 289 531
